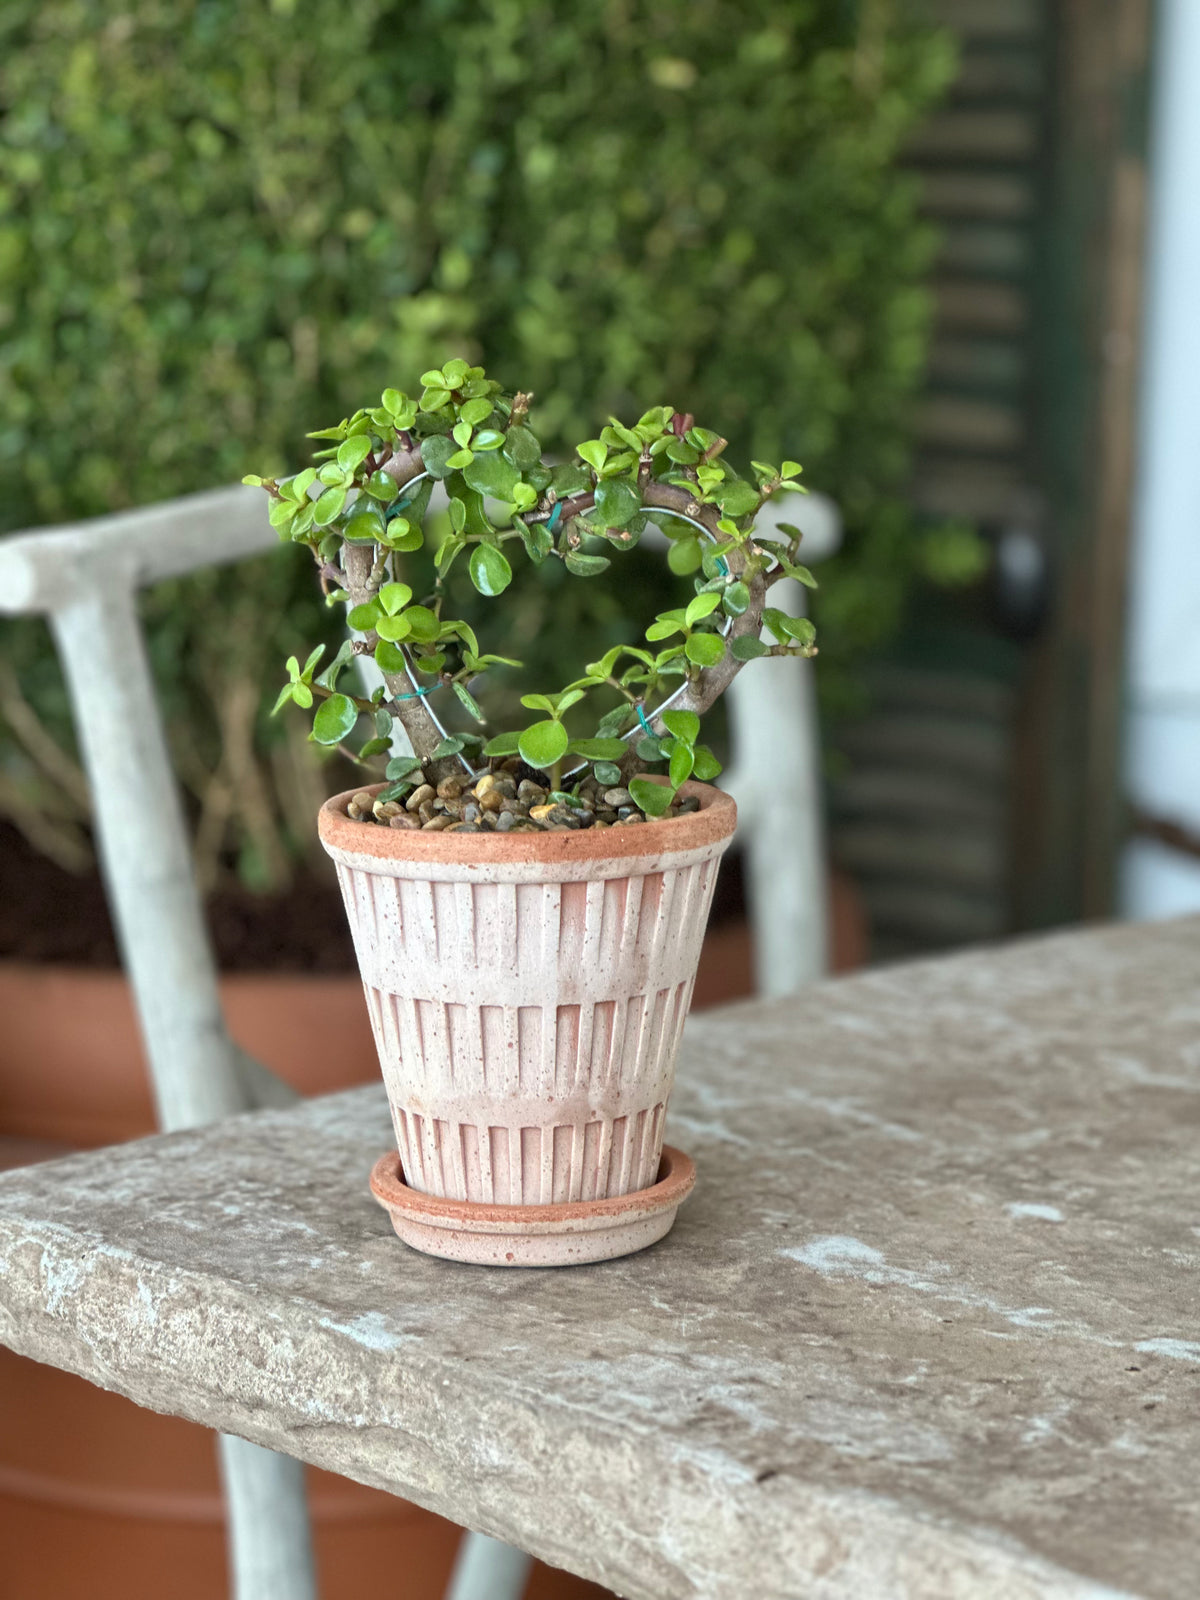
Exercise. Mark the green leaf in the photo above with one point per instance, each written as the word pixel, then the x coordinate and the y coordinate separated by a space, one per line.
pixel 285 694
pixel 682 760
pixel 389 657
pixel 475 411
pixel 504 744
pixel 380 486
pixel 665 624
pixel 364 527
pixel 353 452
pixel 328 679
pixel 599 749
pixel 736 498
pixel 423 623
pixel 704 649
pixel 374 747
pixel 364 617
pixel 489 568
pixel 334 719
pixel 281 512
pixel 329 507
pixel 492 475
pixel 459 460
pixel 617 502
pixel 432 379
pixel 650 749
pixel 523 448
pixel 594 453
pixel 402 766
pixel 585 566
pixel 653 798
pixel 394 597
pixel 605 772
pixel 253 480
pixel 436 452
pixel 403 535
pixel 748 647
pixel 544 743
pixel 446 747
pixel 468 700
pixel 393 401
pixel 684 725
pixel 537 539
pixel 455 371
pixel 487 439
pixel 699 608
pixel 394 628
pixel 706 765
pixel 791 469
pixel 735 599
pixel 569 478
pixel 684 556
pixel 538 702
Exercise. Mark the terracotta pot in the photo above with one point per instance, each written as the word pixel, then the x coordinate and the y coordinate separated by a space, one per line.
pixel 527 993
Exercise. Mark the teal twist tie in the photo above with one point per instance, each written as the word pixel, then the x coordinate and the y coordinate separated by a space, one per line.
pixel 642 719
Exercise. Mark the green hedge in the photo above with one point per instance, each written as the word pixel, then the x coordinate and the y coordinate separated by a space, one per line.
pixel 225 220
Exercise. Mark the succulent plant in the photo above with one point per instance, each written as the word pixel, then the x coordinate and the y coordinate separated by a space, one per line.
pixel 362 509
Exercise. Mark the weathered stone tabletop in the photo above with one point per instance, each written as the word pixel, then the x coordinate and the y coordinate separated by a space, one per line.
pixel 929 1327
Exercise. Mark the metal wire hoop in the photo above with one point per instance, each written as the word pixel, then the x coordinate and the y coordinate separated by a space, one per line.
pixel 652 515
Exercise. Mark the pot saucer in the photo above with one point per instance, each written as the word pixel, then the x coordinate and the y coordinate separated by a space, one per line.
pixel 563 1235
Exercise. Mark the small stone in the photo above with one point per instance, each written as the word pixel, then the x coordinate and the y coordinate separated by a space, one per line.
pixel 419 796
pixel 403 820
pixel 692 803
pixel 599 823
pixel 561 817
pixel 450 788
pixel 505 822
pixel 628 819
pixel 524 825
pixel 540 813
pixel 616 798
pixel 489 800
pixel 485 783
pixel 453 809
pixel 505 787
pixel 513 764
pixel 531 792
pixel 385 809
pixel 437 824
pixel 470 811
pixel 463 827
pixel 426 812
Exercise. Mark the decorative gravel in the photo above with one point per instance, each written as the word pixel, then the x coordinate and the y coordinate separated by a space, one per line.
pixel 508 799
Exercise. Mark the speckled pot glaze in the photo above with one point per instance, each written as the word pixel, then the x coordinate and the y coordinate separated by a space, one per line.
pixel 527 993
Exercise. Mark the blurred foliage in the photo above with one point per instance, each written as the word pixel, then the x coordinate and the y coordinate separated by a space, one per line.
pixel 222 222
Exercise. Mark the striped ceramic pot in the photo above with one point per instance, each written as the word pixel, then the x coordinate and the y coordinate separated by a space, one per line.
pixel 528 992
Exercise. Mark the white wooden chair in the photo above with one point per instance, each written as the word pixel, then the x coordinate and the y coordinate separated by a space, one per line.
pixel 84 579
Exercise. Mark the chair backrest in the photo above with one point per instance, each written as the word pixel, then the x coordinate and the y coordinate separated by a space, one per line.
pixel 84 579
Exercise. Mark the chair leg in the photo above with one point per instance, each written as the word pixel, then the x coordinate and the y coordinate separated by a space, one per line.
pixel 487 1569
pixel 270 1549
pixel 196 1069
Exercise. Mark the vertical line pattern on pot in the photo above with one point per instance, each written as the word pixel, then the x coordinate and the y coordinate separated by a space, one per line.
pixel 528 1030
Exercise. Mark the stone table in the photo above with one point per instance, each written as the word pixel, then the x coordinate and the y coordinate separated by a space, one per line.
pixel 928 1326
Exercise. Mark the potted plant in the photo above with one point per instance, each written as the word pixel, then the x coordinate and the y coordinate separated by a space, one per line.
pixel 527 908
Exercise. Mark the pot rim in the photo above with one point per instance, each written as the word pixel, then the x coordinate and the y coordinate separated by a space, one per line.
pixel 714 822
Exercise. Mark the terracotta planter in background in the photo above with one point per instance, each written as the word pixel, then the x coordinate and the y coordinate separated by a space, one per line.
pixel 527 993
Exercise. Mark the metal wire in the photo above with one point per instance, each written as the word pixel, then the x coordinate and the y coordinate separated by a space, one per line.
pixel 635 732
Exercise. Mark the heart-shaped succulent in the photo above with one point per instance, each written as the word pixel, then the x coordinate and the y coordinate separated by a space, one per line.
pixel 363 506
